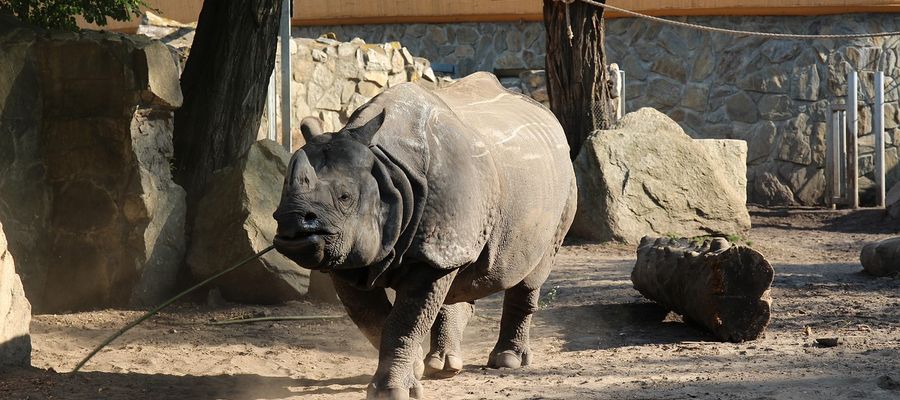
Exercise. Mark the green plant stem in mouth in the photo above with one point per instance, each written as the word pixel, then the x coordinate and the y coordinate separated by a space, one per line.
pixel 167 303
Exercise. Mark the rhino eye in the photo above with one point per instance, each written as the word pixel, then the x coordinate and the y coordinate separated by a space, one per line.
pixel 344 197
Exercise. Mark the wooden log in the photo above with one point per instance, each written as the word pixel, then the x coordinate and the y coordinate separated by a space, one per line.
pixel 720 286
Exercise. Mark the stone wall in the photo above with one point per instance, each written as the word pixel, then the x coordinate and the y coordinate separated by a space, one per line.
pixel 471 47
pixel 331 79
pixel 92 215
pixel 771 93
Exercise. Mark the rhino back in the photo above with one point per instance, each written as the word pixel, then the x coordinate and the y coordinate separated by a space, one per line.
pixel 531 156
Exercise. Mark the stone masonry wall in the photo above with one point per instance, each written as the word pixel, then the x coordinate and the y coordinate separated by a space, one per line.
pixel 331 79
pixel 772 93
pixel 471 47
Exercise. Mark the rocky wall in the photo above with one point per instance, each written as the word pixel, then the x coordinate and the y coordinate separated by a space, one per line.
pixel 471 47
pixel 331 79
pixel 91 213
pixel 772 93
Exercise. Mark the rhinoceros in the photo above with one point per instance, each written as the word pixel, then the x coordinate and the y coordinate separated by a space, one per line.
pixel 446 196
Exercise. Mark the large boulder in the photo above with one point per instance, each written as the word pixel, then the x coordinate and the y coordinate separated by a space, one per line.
pixel 647 177
pixel 234 221
pixel 881 258
pixel 15 313
pixel 729 157
pixel 93 217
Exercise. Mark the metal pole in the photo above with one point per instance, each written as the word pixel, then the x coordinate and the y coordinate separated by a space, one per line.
pixel 271 103
pixel 852 146
pixel 878 130
pixel 621 108
pixel 286 74
pixel 830 185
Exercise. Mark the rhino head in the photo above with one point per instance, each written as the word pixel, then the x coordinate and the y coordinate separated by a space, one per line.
pixel 331 215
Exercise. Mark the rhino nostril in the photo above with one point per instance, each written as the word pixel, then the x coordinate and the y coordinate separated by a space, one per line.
pixel 309 217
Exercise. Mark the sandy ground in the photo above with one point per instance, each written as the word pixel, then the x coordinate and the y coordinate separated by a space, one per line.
pixel 595 338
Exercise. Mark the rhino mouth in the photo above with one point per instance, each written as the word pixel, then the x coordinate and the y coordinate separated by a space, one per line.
pixel 306 248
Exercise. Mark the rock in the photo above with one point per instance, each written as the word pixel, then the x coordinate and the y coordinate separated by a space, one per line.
pixel 696 97
pixel 662 93
pixel 729 157
pixel 892 200
pixel 881 258
pixel 760 142
pixel 828 342
pixel 100 223
pixel 670 67
pixel 805 83
pixel 740 107
pixel 235 221
pixel 646 176
pixel 15 339
pixel 775 107
pixel 794 146
pixel 769 80
pixel 768 191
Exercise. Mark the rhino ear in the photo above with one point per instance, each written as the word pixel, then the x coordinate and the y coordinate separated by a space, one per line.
pixel 311 127
pixel 366 132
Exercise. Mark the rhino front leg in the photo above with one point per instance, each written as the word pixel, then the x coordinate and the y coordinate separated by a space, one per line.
pixel 369 309
pixel 512 348
pixel 420 295
pixel 445 358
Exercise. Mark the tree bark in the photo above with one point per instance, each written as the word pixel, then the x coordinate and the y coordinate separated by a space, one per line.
pixel 576 70
pixel 224 86
pixel 721 287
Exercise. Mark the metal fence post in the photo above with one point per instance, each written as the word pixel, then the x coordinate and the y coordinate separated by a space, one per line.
pixel 852 143
pixel 878 130
pixel 286 74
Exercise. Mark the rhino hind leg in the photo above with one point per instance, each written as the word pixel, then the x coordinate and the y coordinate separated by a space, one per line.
pixel 445 358
pixel 512 349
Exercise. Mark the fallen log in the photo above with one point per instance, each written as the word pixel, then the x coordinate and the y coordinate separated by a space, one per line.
pixel 720 286
pixel 881 258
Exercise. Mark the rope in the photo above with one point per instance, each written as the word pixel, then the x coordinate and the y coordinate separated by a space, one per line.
pixel 735 31
pixel 283 318
pixel 165 304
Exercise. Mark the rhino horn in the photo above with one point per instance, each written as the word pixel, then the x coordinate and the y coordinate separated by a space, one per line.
pixel 302 174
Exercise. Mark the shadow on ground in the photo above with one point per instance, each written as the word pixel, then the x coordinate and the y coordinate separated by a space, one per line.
pixel 37 384
pixel 608 326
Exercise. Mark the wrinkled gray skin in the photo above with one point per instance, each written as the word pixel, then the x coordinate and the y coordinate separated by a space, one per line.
pixel 446 196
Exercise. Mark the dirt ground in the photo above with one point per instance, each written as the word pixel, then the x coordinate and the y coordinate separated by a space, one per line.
pixel 595 338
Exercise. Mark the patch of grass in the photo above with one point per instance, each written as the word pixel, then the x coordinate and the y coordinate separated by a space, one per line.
pixel 548 298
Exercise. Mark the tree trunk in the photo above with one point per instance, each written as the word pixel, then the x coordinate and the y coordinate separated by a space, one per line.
pixel 576 70
pixel 721 287
pixel 224 85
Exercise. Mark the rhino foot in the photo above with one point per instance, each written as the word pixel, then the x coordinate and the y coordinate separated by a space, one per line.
pixel 442 366
pixel 375 393
pixel 509 359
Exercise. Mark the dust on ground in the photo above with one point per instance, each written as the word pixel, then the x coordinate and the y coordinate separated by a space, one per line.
pixel 594 338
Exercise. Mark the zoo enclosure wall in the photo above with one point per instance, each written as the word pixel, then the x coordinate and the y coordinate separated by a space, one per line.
pixel 353 12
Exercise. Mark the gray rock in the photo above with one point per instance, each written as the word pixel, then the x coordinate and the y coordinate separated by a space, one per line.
pixel 662 93
pixel 881 258
pixel 740 107
pixel 15 337
pixel 646 176
pixel 704 64
pixel 768 191
pixel 775 107
pixel 805 83
pixel 729 157
pixel 769 80
pixel 235 221
pixel 695 97
pixel 99 220
pixel 794 145
pixel 761 141
pixel 670 67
